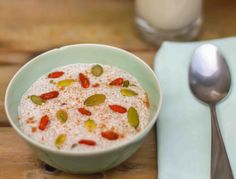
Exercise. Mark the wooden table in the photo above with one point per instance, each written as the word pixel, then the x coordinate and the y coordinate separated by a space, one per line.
pixel 30 27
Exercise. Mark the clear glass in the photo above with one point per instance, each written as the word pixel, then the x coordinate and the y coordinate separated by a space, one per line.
pixel 173 20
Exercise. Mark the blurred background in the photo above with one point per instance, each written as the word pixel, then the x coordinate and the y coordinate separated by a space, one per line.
pixel 36 25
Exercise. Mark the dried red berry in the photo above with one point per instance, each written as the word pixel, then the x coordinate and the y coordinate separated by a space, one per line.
pixel 84 111
pixel 49 95
pixel 110 135
pixel 117 82
pixel 118 108
pixel 87 142
pixel 84 81
pixel 56 74
pixel 43 122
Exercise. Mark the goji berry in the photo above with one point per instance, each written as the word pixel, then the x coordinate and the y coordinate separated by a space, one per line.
pixel 49 95
pixel 84 111
pixel 84 81
pixel 117 82
pixel 56 74
pixel 110 135
pixel 118 108
pixel 87 142
pixel 43 122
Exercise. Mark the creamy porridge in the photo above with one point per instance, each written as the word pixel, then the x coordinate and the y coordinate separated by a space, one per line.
pixel 84 107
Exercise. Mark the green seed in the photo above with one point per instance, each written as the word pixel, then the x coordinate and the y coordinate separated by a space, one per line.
pixel 133 117
pixel 37 100
pixel 60 140
pixel 90 125
pixel 126 83
pixel 62 115
pixel 65 83
pixel 128 92
pixel 95 99
pixel 97 70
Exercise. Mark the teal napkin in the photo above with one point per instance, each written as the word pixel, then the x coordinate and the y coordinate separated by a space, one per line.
pixel 183 127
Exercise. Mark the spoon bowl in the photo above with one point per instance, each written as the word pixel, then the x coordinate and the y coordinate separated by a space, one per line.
pixel 209 75
pixel 209 81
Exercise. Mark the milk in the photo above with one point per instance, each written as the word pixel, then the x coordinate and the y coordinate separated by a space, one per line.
pixel 169 14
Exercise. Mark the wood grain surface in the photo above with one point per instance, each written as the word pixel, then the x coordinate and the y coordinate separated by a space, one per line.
pixel 30 27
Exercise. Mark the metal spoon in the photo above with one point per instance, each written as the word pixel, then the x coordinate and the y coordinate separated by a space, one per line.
pixel 209 80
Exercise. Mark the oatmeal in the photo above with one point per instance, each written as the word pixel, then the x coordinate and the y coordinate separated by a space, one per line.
pixel 84 107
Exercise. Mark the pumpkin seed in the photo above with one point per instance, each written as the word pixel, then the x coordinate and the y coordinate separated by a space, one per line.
pixel 60 140
pixel 95 99
pixel 65 83
pixel 128 92
pixel 126 83
pixel 90 125
pixel 133 117
pixel 97 70
pixel 62 115
pixel 37 100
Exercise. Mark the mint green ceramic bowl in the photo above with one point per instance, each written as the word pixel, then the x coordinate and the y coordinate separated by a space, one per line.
pixel 86 162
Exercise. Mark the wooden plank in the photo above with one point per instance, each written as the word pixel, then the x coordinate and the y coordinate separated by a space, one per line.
pixel 39 25
pixel 218 19
pixel 17 161
pixel 14 58
pixel 7 72
pixel 146 56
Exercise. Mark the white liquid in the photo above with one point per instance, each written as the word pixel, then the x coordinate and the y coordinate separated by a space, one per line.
pixel 169 14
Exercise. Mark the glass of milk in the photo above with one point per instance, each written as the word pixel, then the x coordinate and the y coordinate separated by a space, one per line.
pixel 173 20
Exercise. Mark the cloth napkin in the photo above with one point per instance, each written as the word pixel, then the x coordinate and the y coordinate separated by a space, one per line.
pixel 183 127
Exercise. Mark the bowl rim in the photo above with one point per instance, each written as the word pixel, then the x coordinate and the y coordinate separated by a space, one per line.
pixel 137 137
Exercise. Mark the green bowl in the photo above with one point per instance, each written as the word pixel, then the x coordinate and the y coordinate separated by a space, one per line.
pixel 86 162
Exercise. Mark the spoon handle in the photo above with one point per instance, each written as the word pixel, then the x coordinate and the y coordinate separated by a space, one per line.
pixel 220 166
